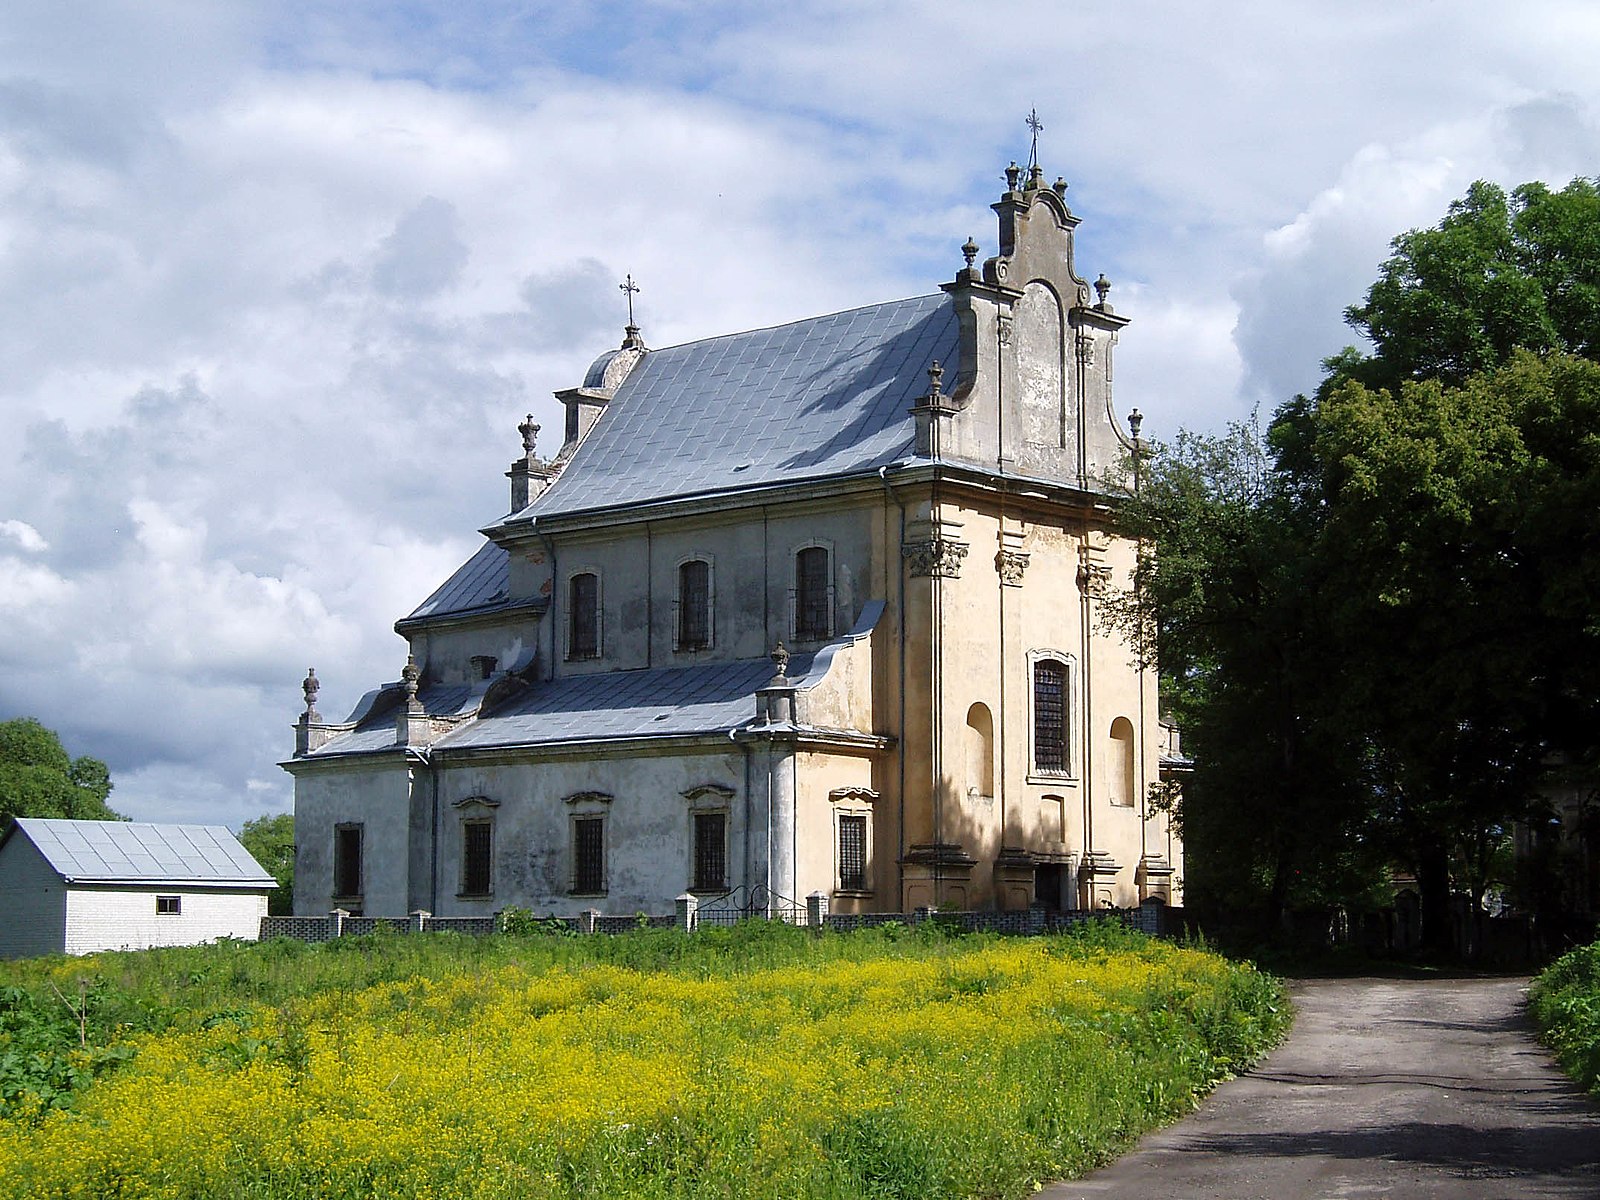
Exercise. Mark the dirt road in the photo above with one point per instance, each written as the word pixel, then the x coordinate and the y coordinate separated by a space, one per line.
pixel 1402 1088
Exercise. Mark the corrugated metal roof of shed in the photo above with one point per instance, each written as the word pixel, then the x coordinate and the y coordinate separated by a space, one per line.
pixel 138 852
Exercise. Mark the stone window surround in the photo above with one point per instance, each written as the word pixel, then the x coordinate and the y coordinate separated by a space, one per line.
pixel 830 618
pixel 475 811
pixel 711 602
pixel 852 802
pixel 599 613
pixel 589 806
pixel 709 799
pixel 1069 716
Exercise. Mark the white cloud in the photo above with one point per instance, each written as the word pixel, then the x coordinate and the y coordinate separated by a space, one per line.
pixel 25 536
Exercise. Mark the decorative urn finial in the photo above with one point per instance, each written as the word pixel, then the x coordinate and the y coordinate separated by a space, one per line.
pixel 1013 174
pixel 1060 187
pixel 1135 420
pixel 410 677
pixel 311 686
pixel 935 380
pixel 1102 288
pixel 780 659
pixel 530 434
pixel 969 251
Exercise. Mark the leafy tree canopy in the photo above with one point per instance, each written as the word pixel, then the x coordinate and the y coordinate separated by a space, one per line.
pixel 39 779
pixel 270 841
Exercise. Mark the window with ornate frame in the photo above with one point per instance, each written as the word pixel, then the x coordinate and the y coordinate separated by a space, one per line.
pixel 588 818
pixel 852 840
pixel 709 806
pixel 476 880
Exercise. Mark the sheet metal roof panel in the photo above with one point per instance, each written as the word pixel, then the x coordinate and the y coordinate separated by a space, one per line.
pixel 483 581
pixel 137 852
pixel 817 398
pixel 377 731
pixel 709 698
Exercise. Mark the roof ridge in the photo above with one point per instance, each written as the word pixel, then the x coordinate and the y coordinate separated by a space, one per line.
pixel 717 337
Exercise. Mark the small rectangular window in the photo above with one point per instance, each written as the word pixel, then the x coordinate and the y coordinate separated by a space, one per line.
pixel 710 852
pixel 583 593
pixel 589 856
pixel 169 906
pixel 694 605
pixel 347 861
pixel 853 853
pixel 477 856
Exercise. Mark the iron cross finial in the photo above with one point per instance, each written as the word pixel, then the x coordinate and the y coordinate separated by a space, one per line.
pixel 1037 126
pixel 629 287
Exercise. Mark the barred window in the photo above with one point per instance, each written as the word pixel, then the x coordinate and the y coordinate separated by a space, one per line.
pixel 477 853
pixel 694 605
pixel 853 853
pixel 1050 715
pixel 583 630
pixel 589 855
pixel 812 602
pixel 710 852
pixel 347 860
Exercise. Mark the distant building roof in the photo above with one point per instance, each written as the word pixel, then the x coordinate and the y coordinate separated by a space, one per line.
pixel 135 852
pixel 824 397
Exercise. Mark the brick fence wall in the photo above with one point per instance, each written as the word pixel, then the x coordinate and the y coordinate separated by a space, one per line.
pixel 1155 919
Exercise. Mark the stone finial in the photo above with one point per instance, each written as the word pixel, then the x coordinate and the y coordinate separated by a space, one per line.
pixel 1013 175
pixel 780 659
pixel 969 251
pixel 1102 288
pixel 410 679
pixel 1035 178
pixel 311 686
pixel 530 434
pixel 935 380
pixel 1135 420
pixel 1060 187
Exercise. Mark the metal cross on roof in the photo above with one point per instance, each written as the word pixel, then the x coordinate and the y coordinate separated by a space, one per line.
pixel 629 287
pixel 1038 127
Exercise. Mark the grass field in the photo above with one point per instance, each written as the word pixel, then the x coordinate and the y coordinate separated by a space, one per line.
pixel 1565 1000
pixel 761 1061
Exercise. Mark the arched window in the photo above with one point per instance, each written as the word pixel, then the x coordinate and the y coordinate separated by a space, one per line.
pixel 1121 762
pixel 813 594
pixel 583 616
pixel 1052 717
pixel 694 604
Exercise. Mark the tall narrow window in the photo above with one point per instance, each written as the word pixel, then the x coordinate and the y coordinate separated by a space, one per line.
pixel 694 605
pixel 1050 716
pixel 710 851
pixel 813 607
pixel 853 852
pixel 589 855
pixel 347 861
pixel 583 615
pixel 477 857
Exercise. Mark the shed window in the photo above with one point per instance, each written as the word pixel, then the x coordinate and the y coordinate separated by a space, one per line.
pixel 694 605
pixel 813 607
pixel 169 906
pixel 589 855
pixel 347 861
pixel 1050 716
pixel 477 857
pixel 583 593
pixel 710 852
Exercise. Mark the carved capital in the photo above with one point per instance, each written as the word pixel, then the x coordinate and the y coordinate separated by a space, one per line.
pixel 1085 342
pixel 1005 330
pixel 1094 578
pixel 1011 564
pixel 935 557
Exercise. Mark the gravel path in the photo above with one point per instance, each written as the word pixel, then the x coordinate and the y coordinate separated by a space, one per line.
pixel 1385 1087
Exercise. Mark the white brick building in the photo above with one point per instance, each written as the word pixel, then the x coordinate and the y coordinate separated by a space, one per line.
pixel 75 887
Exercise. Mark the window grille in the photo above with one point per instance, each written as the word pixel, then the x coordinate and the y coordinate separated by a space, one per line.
pixel 853 853
pixel 694 605
pixel 347 860
pixel 812 593
pixel 477 848
pixel 588 855
pixel 710 852
pixel 1049 716
pixel 169 906
pixel 583 632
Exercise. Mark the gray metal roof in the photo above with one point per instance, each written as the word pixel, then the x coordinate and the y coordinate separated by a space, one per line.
pixel 713 698
pixel 135 852
pixel 823 397
pixel 375 726
pixel 480 583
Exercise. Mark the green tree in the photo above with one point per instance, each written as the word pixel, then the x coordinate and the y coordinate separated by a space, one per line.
pixel 39 779
pixel 270 841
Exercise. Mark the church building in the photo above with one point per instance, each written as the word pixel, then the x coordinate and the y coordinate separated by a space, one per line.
pixel 803 609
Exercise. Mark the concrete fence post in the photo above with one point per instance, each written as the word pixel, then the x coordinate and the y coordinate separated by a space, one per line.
pixel 688 911
pixel 588 920
pixel 336 920
pixel 816 910
pixel 419 921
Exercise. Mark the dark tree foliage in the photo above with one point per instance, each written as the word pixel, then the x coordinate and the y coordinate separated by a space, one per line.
pixel 39 779
pixel 270 841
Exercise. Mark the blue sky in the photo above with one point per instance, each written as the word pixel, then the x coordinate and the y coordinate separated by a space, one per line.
pixel 280 279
